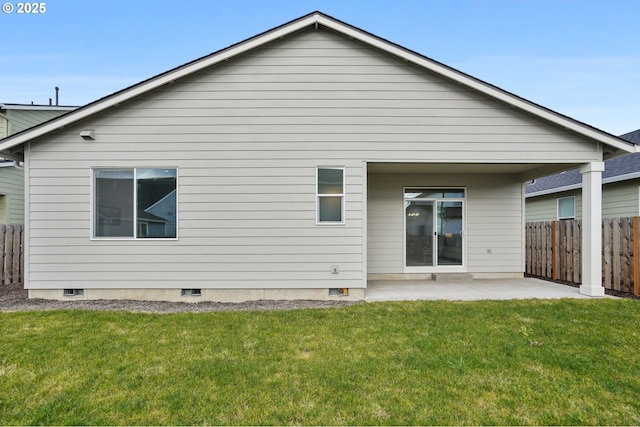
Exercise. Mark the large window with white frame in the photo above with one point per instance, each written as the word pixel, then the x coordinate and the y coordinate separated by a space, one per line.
pixel 330 192
pixel 135 203
pixel 567 207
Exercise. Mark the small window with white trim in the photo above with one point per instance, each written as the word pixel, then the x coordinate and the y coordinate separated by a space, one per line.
pixel 330 195
pixel 567 207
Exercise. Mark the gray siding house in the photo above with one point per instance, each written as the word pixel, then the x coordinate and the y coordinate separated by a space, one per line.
pixel 304 162
pixel 15 118
pixel 559 196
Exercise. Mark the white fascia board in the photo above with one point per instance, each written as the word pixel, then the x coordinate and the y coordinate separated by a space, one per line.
pixel 610 180
pixel 37 107
pixel 619 178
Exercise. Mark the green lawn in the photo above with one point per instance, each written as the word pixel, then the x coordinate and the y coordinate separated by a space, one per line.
pixel 491 362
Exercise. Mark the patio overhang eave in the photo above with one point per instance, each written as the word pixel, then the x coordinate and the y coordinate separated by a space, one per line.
pixel 524 171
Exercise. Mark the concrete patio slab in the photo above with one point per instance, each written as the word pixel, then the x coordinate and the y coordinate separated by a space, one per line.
pixel 468 290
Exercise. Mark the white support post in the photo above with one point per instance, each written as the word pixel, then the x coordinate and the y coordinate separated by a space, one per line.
pixel 592 229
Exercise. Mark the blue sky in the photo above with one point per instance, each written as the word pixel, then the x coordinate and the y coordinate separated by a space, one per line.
pixel 578 57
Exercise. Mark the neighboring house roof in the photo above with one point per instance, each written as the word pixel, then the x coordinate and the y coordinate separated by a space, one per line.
pixel 167 201
pixel 145 216
pixel 612 143
pixel 632 136
pixel 617 169
pixel 11 106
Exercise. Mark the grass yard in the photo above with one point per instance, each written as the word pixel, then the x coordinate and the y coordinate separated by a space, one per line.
pixel 475 363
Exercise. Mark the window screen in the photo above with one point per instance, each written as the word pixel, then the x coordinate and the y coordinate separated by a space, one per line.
pixel 135 203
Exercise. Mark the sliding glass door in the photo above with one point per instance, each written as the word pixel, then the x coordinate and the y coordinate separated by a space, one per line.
pixel 434 227
pixel 419 231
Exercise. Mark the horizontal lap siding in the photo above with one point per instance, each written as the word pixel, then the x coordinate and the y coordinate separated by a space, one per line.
pixel 494 225
pixel 493 220
pixel 542 208
pixel 545 208
pixel 12 187
pixel 385 222
pixel 246 137
pixel 258 230
pixel 620 199
pixel 23 119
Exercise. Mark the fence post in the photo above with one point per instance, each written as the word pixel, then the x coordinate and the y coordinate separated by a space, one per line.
pixel 636 256
pixel 3 255
pixel 555 242
pixel 11 254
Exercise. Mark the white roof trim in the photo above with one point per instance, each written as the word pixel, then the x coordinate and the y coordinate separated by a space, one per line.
pixel 36 107
pixel 609 180
pixel 317 18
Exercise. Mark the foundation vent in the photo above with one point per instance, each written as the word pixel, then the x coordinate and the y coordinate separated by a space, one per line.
pixel 72 292
pixel 341 292
pixel 191 292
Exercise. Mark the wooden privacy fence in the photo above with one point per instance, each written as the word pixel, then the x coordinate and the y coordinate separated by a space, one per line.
pixel 554 251
pixel 11 244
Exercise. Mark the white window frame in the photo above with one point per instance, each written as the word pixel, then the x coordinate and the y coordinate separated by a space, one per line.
pixel 135 196
pixel 558 208
pixel 436 268
pixel 341 195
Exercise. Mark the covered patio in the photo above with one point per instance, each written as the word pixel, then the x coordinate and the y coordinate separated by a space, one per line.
pixel 437 216
pixel 468 290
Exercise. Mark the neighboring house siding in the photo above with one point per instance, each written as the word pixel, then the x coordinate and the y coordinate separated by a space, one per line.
pixel 12 188
pixel 246 137
pixel 541 208
pixel 545 208
pixel 11 178
pixel 619 199
pixel 4 126
pixel 20 120
pixel 493 232
pixel 166 208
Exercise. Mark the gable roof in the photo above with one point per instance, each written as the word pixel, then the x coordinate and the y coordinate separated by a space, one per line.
pixel 632 137
pixel 617 169
pixel 316 19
